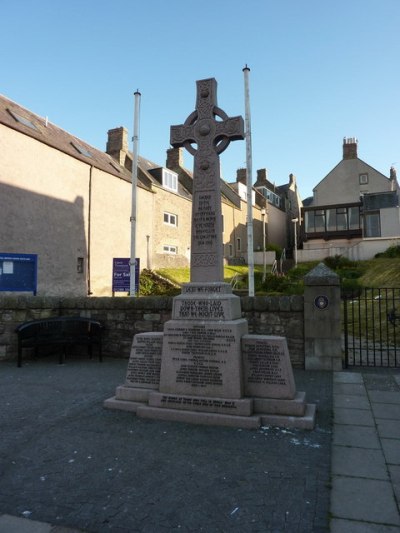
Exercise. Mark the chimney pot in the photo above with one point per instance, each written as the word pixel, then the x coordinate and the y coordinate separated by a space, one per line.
pixel 350 148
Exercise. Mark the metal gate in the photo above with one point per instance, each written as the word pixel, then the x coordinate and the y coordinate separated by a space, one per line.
pixel 371 328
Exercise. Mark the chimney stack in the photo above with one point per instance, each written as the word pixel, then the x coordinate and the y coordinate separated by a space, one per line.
pixel 174 158
pixel 241 175
pixel 262 177
pixel 350 148
pixel 117 144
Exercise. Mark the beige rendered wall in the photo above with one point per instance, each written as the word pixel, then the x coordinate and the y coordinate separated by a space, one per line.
pixel 342 184
pixel 41 216
pixel 165 234
pixel 110 228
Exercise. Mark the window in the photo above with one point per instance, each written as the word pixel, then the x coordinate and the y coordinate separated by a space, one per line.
pixel 332 219
pixel 170 219
pixel 372 225
pixel 230 250
pixel 310 221
pixel 354 217
pixel 81 149
pixel 170 180
pixel 22 120
pixel 239 244
pixel 168 249
pixel 363 179
pixel 341 215
pixel 320 220
pixel 79 265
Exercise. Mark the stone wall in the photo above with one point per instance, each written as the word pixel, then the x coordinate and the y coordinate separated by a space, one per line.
pixel 124 317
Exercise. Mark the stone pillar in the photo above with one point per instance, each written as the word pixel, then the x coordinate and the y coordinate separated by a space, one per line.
pixel 322 320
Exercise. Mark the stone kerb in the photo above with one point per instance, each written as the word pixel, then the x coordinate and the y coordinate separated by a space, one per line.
pixel 322 319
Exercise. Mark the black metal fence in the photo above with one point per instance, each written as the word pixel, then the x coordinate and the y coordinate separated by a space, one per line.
pixel 371 328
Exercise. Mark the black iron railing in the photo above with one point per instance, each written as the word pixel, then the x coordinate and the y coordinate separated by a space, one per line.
pixel 371 327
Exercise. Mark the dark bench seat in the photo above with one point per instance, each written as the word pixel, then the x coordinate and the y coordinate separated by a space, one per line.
pixel 63 331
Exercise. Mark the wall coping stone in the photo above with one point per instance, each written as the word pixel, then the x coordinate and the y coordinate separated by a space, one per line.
pixel 321 275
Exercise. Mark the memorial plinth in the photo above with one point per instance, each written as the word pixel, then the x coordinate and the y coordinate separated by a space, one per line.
pixel 205 368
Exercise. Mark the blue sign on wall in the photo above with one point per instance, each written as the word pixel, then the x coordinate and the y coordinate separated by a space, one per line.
pixel 122 275
pixel 18 272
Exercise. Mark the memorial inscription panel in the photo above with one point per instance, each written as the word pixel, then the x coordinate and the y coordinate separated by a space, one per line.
pixel 145 361
pixel 267 368
pixel 202 358
pixel 242 407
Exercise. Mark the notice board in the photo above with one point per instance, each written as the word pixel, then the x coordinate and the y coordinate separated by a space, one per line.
pixel 18 272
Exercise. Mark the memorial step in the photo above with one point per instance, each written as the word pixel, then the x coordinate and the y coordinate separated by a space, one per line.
pixel 295 422
pixel 197 417
pixel 275 406
pixel 121 405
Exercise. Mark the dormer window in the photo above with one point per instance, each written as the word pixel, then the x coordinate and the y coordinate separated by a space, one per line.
pixel 170 180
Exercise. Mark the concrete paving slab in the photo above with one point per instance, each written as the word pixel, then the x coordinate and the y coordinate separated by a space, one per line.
pixel 394 472
pixel 359 417
pixel 386 410
pixel 377 396
pixel 353 402
pixel 350 526
pixel 389 429
pixel 353 462
pixel 16 524
pixel 347 377
pixel 366 500
pixel 357 436
pixel 349 389
pixel 391 450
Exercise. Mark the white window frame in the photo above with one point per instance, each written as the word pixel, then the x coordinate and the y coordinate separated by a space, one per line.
pixel 169 180
pixel 170 249
pixel 170 219
pixel 363 178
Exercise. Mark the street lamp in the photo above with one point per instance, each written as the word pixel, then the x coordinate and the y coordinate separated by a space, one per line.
pixel 263 213
pixel 295 220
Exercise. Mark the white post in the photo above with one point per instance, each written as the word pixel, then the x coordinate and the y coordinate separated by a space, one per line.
pixel 250 247
pixel 263 213
pixel 135 140
pixel 295 220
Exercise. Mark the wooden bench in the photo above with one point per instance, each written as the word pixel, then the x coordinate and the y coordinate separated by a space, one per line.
pixel 63 331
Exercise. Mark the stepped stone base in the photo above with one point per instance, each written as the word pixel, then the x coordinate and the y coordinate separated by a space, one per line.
pixel 249 413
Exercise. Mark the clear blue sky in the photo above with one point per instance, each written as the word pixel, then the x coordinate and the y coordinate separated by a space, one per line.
pixel 320 70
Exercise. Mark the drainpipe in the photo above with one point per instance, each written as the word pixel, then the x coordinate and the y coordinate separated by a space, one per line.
pixel 89 291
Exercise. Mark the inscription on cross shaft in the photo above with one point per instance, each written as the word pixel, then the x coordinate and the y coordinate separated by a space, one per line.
pixel 212 138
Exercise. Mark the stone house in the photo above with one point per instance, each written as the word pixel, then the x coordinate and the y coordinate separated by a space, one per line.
pixel 354 210
pixel 70 204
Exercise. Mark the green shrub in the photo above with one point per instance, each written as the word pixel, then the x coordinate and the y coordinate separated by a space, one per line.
pixel 271 247
pixel 391 252
pixel 337 261
pixel 350 288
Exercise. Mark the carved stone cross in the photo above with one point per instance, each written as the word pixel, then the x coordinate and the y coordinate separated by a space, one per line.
pixel 212 138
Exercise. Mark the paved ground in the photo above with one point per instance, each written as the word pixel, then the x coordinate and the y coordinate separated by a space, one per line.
pixel 66 461
pixel 366 452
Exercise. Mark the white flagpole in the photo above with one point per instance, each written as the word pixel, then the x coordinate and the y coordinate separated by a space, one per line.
pixel 135 140
pixel 250 247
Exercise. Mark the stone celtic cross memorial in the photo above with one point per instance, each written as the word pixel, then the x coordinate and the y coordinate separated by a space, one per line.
pixel 212 138
pixel 205 368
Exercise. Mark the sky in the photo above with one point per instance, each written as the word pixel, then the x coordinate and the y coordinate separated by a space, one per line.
pixel 320 70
